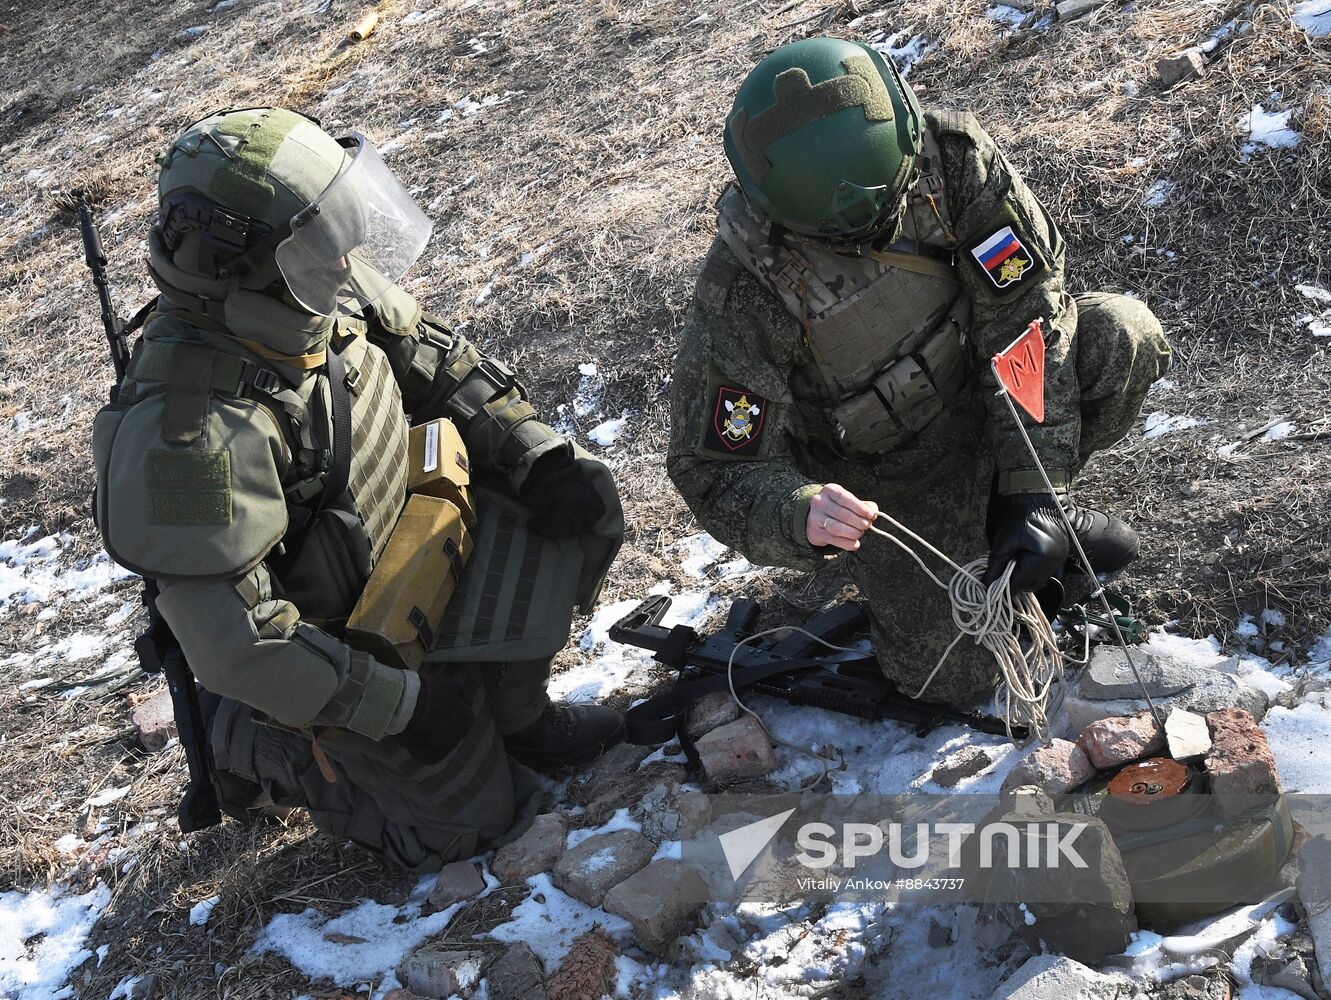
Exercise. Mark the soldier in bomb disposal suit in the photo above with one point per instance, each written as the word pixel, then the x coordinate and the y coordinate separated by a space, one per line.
pixel 255 465
pixel 870 258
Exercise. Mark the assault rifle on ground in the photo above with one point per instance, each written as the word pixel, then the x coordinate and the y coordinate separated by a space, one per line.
pixel 793 667
pixel 157 648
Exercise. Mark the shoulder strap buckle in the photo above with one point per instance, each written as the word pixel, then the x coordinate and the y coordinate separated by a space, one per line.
pixel 265 380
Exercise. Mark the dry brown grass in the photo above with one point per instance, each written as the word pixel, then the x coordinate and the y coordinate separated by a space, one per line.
pixel 602 159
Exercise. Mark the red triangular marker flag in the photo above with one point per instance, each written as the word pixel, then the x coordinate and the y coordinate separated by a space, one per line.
pixel 1020 369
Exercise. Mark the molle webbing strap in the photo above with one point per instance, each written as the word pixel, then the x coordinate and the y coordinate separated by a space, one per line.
pixel 379 449
pixel 187 390
pixel 339 476
pixel 229 374
pixel 502 417
pixel 800 103
pixel 916 263
pixel 469 382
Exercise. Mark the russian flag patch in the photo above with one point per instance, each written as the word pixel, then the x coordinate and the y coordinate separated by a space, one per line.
pixel 1004 259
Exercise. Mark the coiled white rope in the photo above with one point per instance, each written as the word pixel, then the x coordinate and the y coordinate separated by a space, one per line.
pixel 1032 673
pixel 996 619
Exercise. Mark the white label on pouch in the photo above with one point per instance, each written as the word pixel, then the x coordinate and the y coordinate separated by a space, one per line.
pixel 431 447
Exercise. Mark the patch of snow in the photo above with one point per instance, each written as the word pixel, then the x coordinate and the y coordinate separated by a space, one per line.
pixel 107 796
pixel 1299 737
pixel 700 19
pixel 621 820
pixel 394 144
pixel 468 106
pixel 421 17
pixel 531 256
pixel 35 573
pixel 1268 128
pixel 1159 423
pixel 386 934
pixel 1209 654
pixel 190 34
pixel 698 553
pixel 548 920
pixel 607 432
pixel 202 910
pixel 1314 17
pixel 1280 431
pixel 1318 323
pixel 126 987
pixel 484 293
pixel 905 54
pixel 612 666
pixel 1163 385
pixel 1008 16
pixel 1158 193
pixel 76 647
pixel 43 938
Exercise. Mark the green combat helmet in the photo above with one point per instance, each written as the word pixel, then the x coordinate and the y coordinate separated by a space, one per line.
pixel 823 138
pixel 264 199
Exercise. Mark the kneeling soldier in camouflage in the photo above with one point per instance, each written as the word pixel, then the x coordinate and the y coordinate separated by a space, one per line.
pixel 869 262
pixel 370 601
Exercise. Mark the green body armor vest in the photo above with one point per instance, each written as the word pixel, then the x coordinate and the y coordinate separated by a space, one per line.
pixel 885 329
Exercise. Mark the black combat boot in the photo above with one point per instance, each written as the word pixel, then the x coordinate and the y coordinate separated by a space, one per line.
pixel 566 735
pixel 1109 541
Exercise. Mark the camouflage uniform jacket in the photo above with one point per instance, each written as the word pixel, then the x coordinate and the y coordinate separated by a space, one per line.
pixel 739 340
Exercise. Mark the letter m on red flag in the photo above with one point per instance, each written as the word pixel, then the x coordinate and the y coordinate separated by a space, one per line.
pixel 1020 370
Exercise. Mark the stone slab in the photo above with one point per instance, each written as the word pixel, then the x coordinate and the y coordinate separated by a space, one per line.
pixel 965 763
pixel 661 902
pixel 154 720
pixel 739 749
pixel 516 975
pixel 1186 735
pixel 1106 688
pixel 1240 767
pixel 1056 977
pixel 598 864
pixel 536 851
pixel 1055 768
pixel 1315 901
pixel 437 973
pixel 456 882
pixel 1122 739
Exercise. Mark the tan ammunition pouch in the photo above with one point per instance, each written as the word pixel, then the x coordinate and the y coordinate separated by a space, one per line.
pixel 438 466
pixel 421 565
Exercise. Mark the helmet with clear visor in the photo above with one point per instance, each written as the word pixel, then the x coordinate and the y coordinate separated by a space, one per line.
pixel 262 196
pixel 355 240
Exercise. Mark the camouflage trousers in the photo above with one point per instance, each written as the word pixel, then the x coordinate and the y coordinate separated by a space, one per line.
pixel 940 485
pixel 420 816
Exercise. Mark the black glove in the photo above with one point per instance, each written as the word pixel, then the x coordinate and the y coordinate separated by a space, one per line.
pixel 561 497
pixel 440 720
pixel 1028 530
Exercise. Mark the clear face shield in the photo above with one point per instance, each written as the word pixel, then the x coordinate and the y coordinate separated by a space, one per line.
pixel 355 240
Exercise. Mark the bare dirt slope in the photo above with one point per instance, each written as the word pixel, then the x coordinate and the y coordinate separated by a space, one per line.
pixel 569 153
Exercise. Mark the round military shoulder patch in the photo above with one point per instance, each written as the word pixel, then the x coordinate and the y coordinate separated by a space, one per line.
pixel 737 422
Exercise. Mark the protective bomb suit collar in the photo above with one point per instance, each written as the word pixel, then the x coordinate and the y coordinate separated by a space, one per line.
pixel 252 317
